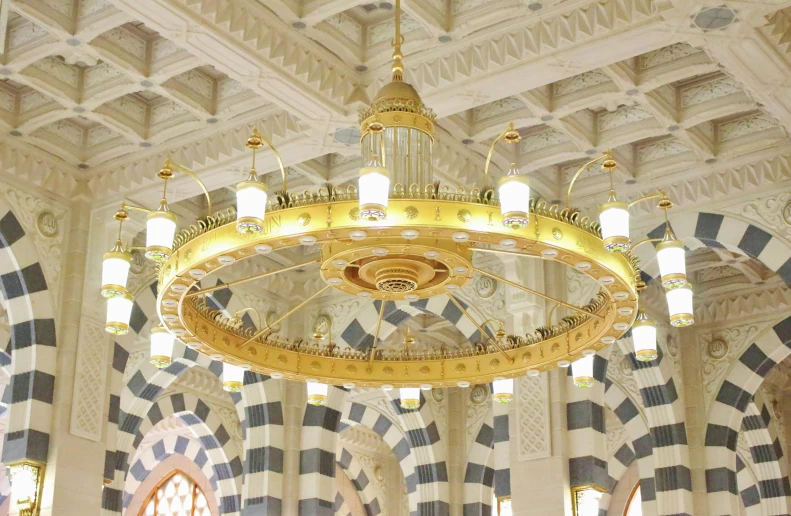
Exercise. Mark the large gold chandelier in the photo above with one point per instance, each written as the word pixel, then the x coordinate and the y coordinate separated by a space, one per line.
pixel 397 238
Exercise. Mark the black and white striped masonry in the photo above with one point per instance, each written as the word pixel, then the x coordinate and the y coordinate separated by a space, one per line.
pixel 365 489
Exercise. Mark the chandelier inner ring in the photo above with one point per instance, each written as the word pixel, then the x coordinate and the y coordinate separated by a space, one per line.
pixel 449 234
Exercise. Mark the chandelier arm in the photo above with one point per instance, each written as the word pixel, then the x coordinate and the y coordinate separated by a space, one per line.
pixel 549 315
pixel 250 309
pixel 378 326
pixel 125 207
pixel 606 155
pixel 499 251
pixel 480 329
pixel 539 294
pixel 660 195
pixel 251 278
pixel 279 161
pixel 641 242
pixel 491 152
pixel 280 319
pixel 196 178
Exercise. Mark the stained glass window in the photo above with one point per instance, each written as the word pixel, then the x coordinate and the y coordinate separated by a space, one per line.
pixel 177 495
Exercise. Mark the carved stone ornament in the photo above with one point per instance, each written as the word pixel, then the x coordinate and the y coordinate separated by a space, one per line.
pixel 438 395
pixel 479 394
pixel 138 263
pixel 485 287
pixel 717 348
pixel 47 224
pixel 787 213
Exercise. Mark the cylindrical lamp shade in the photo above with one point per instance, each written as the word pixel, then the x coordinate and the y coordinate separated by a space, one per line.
pixel 503 390
pixel 115 272
pixel 582 371
pixel 672 265
pixel 373 190
pixel 250 206
pixel 644 337
pixel 232 377
pixel 161 347
pixel 119 310
pixel 514 193
pixel 317 392
pixel 160 230
pixel 679 304
pixel 410 398
pixel 614 221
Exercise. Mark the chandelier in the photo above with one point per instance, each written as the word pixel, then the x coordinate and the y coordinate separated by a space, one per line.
pixel 397 237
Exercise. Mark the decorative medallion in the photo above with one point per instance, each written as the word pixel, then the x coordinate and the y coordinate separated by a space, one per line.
pixel 464 216
pixel 438 395
pixel 557 233
pixel 47 224
pixel 717 348
pixel 479 394
pixel 485 287
pixel 787 213
pixel 138 263
pixel 304 219
pixel 460 368
pixel 410 212
pixel 354 213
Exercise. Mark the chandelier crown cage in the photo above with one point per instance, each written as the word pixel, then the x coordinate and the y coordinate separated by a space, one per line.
pixel 394 238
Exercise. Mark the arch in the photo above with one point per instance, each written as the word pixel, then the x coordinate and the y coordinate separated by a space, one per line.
pixel 32 346
pixel 748 488
pixel 634 421
pixel 359 333
pixel 158 453
pixel 358 413
pixel 617 464
pixel 727 412
pixel 339 507
pixel 351 466
pixel 208 429
pixel 479 472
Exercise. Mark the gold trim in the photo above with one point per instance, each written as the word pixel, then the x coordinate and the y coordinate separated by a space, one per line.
pixel 317 399
pixel 682 320
pixel 232 386
pixel 116 328
pixel 160 361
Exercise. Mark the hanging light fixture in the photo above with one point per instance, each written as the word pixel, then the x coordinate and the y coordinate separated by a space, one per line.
pixel 250 204
pixel 161 346
pixel 373 190
pixel 115 270
pixel 232 377
pixel 672 264
pixel 160 230
pixel 679 304
pixel 582 369
pixel 410 397
pixel 317 392
pixel 503 390
pixel 614 221
pixel 119 310
pixel 514 192
pixel 644 337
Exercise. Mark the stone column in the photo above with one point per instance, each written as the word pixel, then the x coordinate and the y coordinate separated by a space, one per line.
pixel 695 411
pixel 294 401
pixel 457 447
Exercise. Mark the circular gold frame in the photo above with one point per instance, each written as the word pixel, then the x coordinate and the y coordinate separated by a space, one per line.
pixel 549 235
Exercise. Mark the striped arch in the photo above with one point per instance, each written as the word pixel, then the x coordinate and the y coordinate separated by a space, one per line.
pixel 317 454
pixel 422 434
pixel 159 452
pixel 351 466
pixel 634 421
pixel 617 464
pixel 359 333
pixel 479 473
pixel 339 506
pixel 32 345
pixel 357 413
pixel 208 429
pixel 774 488
pixel 729 408
pixel 766 414
pixel 748 488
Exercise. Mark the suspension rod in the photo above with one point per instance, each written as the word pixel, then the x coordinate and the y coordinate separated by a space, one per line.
pixel 378 326
pixel 251 278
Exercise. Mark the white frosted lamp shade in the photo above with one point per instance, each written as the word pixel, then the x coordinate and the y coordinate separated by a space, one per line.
pixel 373 189
pixel 614 221
pixel 679 305
pixel 250 207
pixel 232 377
pixel 410 397
pixel 161 347
pixel 317 392
pixel 514 193
pixel 644 337
pixel 160 230
pixel 119 310
pixel 115 272
pixel 503 390
pixel 582 371
pixel 672 264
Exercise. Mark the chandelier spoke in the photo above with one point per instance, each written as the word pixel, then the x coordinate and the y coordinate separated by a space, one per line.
pixel 280 319
pixel 480 329
pixel 378 327
pixel 539 294
pixel 500 251
pixel 251 278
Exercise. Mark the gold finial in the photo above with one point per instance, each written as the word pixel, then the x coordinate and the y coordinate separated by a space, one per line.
pixel 408 339
pixel 511 135
pixel 398 65
pixel 255 141
pixel 166 172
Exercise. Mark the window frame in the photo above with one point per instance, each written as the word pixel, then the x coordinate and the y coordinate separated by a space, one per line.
pixel 631 499
pixel 154 494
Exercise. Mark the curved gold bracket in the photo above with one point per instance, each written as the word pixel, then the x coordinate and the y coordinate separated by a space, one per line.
pixel 641 242
pixel 249 309
pixel 664 204
pixel 510 135
pixel 167 172
pixel 255 141
pixel 606 156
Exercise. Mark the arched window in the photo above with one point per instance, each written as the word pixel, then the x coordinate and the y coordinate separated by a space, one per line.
pixel 634 507
pixel 176 495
